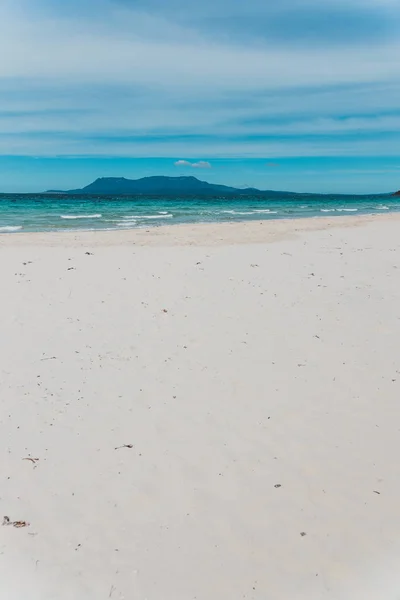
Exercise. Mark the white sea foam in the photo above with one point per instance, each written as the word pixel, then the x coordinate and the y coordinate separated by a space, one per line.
pixel 160 216
pixel 338 209
pixel 157 216
pixel 382 208
pixel 249 212
pixel 236 212
pixel 96 216
pixel 126 224
pixel 10 228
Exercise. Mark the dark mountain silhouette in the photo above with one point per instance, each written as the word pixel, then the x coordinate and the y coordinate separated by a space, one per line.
pixel 182 186
pixel 108 186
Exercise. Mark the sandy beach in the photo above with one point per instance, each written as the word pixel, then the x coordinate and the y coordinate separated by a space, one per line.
pixel 206 412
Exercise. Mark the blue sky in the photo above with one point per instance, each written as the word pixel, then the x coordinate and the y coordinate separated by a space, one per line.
pixel 299 94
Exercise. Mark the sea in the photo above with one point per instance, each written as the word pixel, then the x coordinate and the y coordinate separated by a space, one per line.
pixel 47 212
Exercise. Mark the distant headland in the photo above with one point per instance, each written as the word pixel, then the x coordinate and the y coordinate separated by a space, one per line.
pixel 172 186
pixel 161 185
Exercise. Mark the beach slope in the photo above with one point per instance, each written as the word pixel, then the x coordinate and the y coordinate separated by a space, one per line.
pixel 209 412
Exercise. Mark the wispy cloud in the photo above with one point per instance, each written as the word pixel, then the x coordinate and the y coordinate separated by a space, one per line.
pixel 216 78
pixel 201 164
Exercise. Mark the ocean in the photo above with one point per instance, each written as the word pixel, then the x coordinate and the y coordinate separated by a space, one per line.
pixel 45 212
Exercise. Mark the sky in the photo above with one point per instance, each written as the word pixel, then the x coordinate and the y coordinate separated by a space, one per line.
pixel 299 95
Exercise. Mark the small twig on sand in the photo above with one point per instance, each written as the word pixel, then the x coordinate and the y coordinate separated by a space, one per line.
pixel 50 358
pixel 124 446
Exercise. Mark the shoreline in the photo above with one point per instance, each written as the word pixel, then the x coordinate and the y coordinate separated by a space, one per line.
pixel 197 234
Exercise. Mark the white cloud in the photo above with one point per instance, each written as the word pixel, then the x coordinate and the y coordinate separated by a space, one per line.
pixel 201 164
pixel 183 163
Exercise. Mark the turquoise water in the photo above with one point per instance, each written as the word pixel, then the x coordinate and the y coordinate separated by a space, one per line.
pixel 19 213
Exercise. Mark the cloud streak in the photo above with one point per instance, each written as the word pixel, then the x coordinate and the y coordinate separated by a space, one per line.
pixel 156 78
pixel 201 164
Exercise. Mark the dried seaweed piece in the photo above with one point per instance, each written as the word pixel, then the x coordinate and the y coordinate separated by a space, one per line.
pixel 18 524
pixel 33 460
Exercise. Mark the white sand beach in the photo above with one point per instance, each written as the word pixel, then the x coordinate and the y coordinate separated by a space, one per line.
pixel 212 412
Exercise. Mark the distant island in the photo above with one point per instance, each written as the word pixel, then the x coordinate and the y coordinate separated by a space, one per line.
pixel 176 186
pixel 108 186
